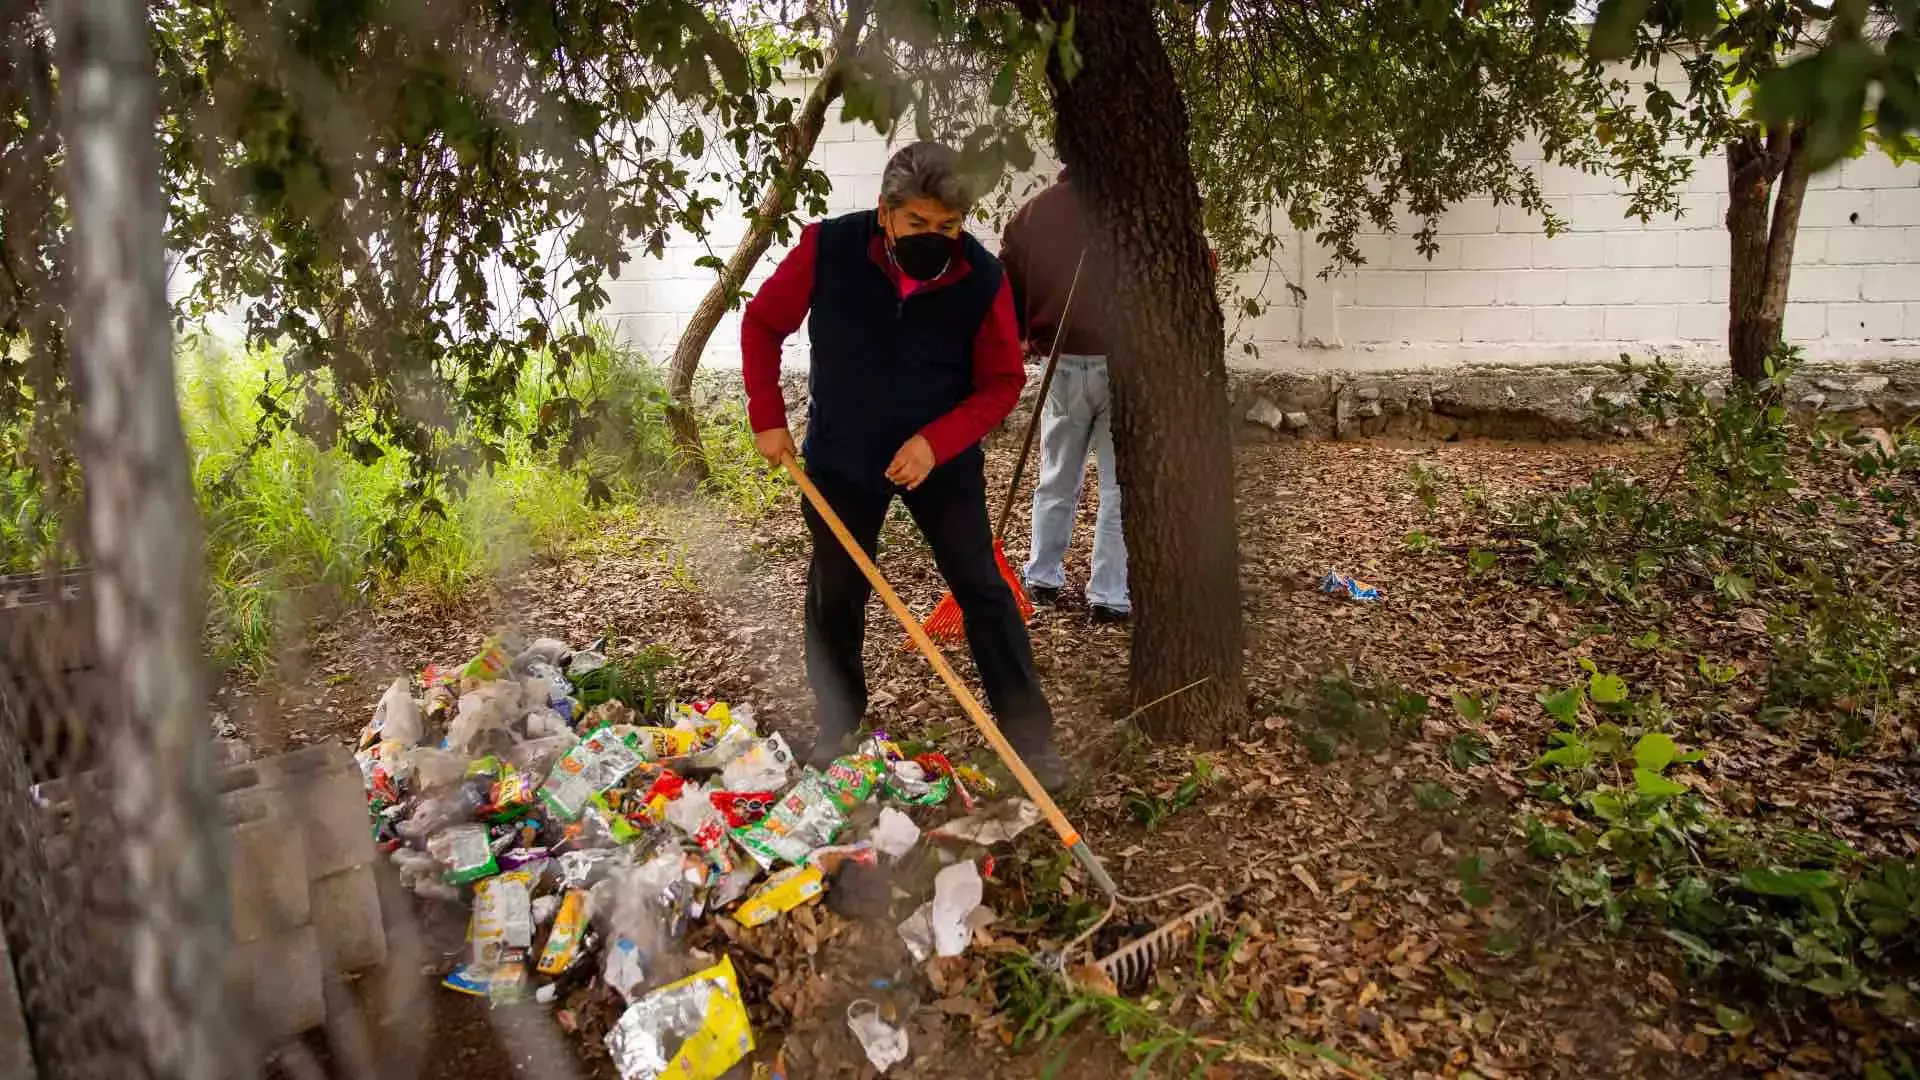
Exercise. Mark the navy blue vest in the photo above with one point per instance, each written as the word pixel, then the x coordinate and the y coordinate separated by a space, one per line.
pixel 883 367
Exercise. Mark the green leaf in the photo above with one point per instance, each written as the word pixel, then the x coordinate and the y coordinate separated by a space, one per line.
pixel 1787 883
pixel 1732 1020
pixel 1002 91
pixel 1614 26
pixel 1652 783
pixel 1830 985
pixel 1607 689
pixel 1564 706
pixel 1655 751
pixel 1572 756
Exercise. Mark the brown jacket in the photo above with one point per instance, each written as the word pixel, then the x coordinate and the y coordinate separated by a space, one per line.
pixel 1040 248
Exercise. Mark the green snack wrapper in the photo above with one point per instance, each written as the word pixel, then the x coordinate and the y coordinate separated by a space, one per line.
pixel 852 780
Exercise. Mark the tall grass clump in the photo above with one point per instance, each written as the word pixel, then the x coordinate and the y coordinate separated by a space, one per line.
pixel 292 527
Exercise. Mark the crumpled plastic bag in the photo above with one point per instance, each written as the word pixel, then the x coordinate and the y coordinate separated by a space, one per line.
pixel 397 717
pixel 764 766
pixel 996 823
pixel 886 1045
pixel 694 1029
pixel 943 926
pixel 894 834
pixel 491 707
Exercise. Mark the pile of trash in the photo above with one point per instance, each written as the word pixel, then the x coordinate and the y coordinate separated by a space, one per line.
pixel 588 839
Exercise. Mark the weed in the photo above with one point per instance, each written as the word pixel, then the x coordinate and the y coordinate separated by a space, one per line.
pixel 1432 795
pixel 1152 810
pixel 1367 712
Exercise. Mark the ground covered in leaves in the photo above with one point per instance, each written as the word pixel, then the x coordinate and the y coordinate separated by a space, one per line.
pixel 1376 828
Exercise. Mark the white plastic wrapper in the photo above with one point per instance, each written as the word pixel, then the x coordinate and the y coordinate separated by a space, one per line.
pixel 764 766
pixel 397 717
pixel 886 1045
pixel 894 834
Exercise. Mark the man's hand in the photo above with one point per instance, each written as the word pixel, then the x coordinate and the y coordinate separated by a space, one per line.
pixel 912 464
pixel 774 444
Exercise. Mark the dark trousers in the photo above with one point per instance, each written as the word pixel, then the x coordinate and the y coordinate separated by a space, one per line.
pixel 951 510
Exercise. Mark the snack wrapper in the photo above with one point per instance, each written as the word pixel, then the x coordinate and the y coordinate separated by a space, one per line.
pixel 467 852
pixel 763 766
pixel 563 941
pixel 877 745
pixel 502 922
pixel 694 1029
pixel 782 892
pixel 910 782
pixel 491 663
pixel 1339 584
pixel 593 765
pixel 852 779
pixel 743 807
pixel 806 818
pixel 665 744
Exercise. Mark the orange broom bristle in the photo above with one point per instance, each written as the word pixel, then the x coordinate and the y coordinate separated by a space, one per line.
pixel 945 623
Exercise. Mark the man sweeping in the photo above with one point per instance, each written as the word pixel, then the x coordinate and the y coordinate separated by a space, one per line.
pixel 915 358
pixel 1044 251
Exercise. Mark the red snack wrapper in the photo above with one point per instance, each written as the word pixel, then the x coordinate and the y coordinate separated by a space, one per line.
pixel 744 807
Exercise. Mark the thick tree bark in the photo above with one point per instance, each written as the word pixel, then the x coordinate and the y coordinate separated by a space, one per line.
pixel 144 539
pixel 775 202
pixel 1766 185
pixel 1123 130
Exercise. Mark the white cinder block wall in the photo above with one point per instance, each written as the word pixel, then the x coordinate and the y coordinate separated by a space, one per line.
pixel 1499 289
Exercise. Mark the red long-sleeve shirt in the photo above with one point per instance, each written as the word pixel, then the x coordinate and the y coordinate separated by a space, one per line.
pixel 781 305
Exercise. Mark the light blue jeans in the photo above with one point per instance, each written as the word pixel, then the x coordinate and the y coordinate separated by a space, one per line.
pixel 1078 417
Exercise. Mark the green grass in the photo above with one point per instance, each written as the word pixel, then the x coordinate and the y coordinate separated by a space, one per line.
pixel 292 527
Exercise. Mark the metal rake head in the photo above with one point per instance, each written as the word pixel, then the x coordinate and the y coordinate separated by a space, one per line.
pixel 1130 964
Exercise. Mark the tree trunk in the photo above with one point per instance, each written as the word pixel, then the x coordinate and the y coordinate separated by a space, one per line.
pixel 143 537
pixel 1766 185
pixel 1123 131
pixel 775 202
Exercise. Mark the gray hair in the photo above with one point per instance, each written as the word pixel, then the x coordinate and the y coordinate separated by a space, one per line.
pixel 925 170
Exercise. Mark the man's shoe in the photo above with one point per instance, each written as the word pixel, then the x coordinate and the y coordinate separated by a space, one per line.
pixel 1043 595
pixel 1101 615
pixel 1048 767
pixel 827 746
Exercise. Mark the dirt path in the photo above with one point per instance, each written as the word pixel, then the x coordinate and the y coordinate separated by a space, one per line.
pixel 1345 876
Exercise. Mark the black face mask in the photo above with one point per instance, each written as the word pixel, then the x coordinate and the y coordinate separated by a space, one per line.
pixel 923 256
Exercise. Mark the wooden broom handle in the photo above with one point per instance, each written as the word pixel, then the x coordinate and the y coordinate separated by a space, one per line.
pixel 1068 835
pixel 1039 403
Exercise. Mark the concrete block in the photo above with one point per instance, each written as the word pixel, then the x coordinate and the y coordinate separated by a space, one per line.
pixel 1389 288
pixel 1513 218
pixel 1471 216
pixel 1460 288
pixel 325 794
pixel 267 888
pixel 1497 324
pixel 1597 213
pixel 1897 206
pixel 1701 322
pixel 1651 285
pixel 1805 322
pixel 1891 283
pixel 346 915
pixel 1373 249
pixel 1825 284
pixel 279 985
pixel 1568 323
pixel 1569 251
pixel 1403 253
pixel 1719 284
pixel 1557 179
pixel 1496 252
pixel 1910 321
pixel 1864 322
pixel 1838 208
pixel 1642 322
pixel 1701 247
pixel 1863 245
pixel 1698 210
pixel 1530 288
pixel 1367 325
pixel 1427 324
pixel 1876 170
pixel 1641 249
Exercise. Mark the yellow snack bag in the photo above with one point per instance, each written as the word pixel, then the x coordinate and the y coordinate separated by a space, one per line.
pixel 781 893
pixel 668 743
pixel 563 944
pixel 639 1043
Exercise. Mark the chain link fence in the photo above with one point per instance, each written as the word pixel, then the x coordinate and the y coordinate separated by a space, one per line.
pixel 64 904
